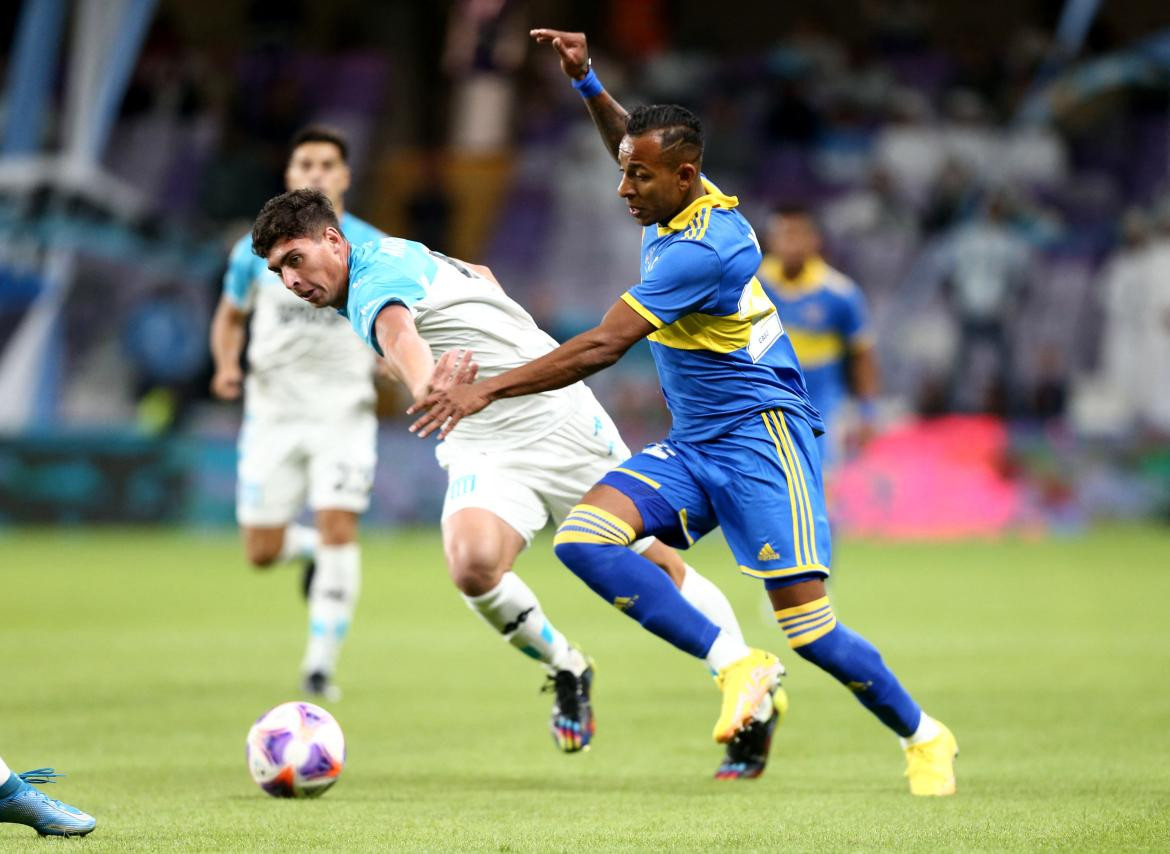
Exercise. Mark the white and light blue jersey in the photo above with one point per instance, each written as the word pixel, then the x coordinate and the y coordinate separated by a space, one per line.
pixel 455 308
pixel 301 359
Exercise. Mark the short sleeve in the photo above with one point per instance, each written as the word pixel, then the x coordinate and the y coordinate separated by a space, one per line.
pixel 375 284
pixel 682 280
pixel 853 319
pixel 239 280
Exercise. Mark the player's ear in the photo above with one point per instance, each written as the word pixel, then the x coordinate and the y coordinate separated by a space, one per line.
pixel 688 174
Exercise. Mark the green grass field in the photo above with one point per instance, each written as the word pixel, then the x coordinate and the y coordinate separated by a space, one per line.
pixel 136 661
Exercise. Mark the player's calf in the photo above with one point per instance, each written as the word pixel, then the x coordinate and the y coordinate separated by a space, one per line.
pixel 593 544
pixel 816 636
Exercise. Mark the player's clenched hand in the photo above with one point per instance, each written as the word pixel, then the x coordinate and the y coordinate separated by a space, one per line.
pixel 228 383
pixel 444 409
pixel 572 48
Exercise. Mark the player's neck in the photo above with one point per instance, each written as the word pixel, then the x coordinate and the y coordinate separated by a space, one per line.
pixel 696 192
pixel 793 271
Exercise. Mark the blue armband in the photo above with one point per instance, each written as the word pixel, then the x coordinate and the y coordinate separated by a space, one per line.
pixel 589 85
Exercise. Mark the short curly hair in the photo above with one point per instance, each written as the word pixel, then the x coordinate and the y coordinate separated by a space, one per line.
pixel 297 213
pixel 681 132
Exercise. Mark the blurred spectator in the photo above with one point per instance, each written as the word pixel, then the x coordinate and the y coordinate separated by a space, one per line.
pixel 988 275
pixel 1154 364
pixel 1124 293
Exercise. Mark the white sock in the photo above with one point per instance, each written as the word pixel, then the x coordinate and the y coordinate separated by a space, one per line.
pixel 710 601
pixel 511 608
pixel 726 650
pixel 300 541
pixel 332 598
pixel 5 773
pixel 927 729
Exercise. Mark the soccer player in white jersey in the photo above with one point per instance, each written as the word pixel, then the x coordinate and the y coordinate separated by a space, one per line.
pixel 309 430
pixel 510 468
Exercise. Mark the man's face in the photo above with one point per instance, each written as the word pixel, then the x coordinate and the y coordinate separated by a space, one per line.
pixel 318 166
pixel 313 268
pixel 793 239
pixel 653 186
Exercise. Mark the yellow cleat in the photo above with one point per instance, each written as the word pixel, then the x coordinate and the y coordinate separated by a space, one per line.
pixel 745 684
pixel 930 766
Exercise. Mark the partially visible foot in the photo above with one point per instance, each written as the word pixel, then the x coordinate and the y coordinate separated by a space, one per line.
pixel 572 724
pixel 23 803
pixel 307 573
pixel 930 766
pixel 319 685
pixel 747 753
pixel 746 684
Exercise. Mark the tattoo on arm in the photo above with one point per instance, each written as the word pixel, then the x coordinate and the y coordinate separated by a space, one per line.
pixel 610 118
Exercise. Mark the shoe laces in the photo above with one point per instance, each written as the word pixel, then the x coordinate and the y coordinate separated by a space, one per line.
pixel 564 684
pixel 40 776
pixel 920 761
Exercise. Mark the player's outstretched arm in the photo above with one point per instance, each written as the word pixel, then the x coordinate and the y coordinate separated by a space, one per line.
pixel 406 354
pixel 229 328
pixel 577 358
pixel 609 116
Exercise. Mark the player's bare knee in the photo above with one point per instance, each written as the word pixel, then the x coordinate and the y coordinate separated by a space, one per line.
pixel 800 593
pixel 474 571
pixel 262 547
pixel 337 527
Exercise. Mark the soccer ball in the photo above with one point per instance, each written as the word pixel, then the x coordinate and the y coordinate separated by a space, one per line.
pixel 296 750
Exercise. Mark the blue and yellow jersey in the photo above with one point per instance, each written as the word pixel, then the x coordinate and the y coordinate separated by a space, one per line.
pixel 246 270
pixel 825 315
pixel 721 351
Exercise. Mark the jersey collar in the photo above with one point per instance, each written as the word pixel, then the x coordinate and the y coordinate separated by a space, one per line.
pixel 713 198
pixel 811 276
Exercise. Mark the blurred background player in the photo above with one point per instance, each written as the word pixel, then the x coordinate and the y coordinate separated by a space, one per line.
pixel 510 469
pixel 22 803
pixel 309 430
pixel 824 313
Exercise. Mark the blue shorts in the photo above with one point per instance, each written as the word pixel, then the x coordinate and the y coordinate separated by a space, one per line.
pixel 761 482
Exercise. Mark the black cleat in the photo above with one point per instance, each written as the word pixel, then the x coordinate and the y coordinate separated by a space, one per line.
pixel 307 573
pixel 747 752
pixel 572 723
pixel 319 686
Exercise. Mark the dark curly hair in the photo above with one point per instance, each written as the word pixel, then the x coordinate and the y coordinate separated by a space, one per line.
pixel 682 132
pixel 297 213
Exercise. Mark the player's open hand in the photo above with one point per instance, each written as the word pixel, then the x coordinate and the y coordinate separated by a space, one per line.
pixel 228 383
pixel 442 410
pixel 572 48
pixel 455 367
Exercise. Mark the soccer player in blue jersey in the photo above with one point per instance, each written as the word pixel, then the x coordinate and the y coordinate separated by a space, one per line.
pixel 825 317
pixel 309 434
pixel 741 453
pixel 23 803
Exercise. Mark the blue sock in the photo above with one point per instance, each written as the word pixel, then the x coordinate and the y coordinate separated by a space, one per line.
pixel 593 544
pixel 816 636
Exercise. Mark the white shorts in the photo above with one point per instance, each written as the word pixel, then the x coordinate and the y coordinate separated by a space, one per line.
pixel 526 486
pixel 284 462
